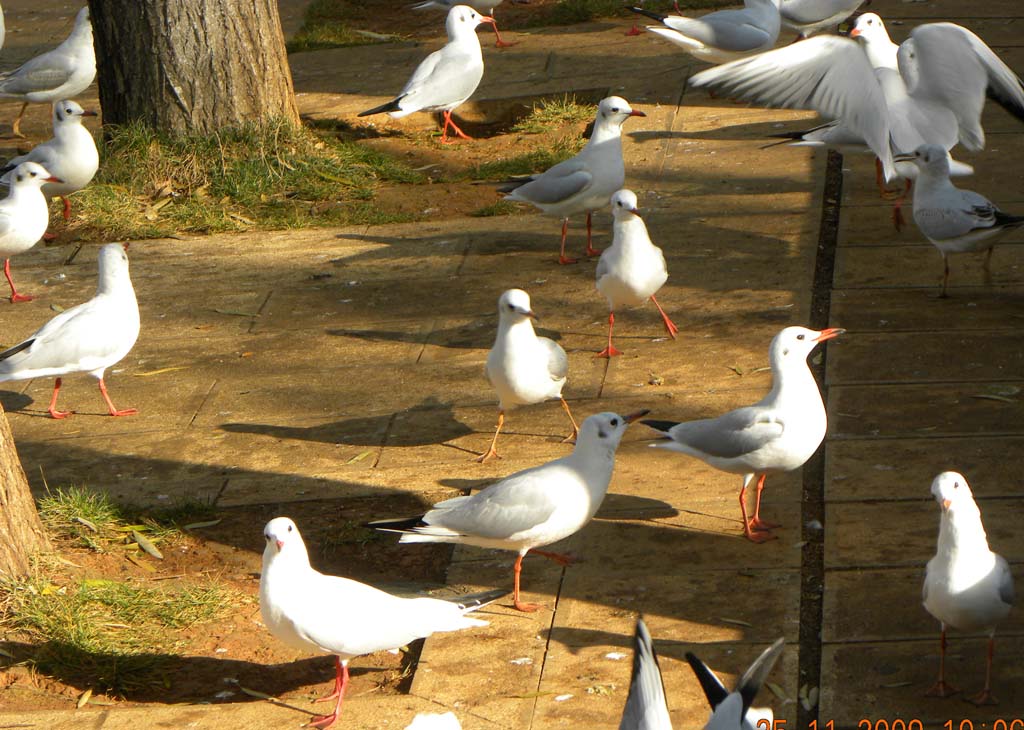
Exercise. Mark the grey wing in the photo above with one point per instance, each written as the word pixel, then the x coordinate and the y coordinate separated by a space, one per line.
pixel 828 74
pixel 751 681
pixel 646 708
pixel 1006 592
pixel 731 435
pixel 729 30
pixel 513 505
pixel 42 73
pixel 70 337
pixel 558 361
pixel 603 267
pixel 443 80
pixel 552 187
pixel 422 72
pixel 806 12
pixel 6 223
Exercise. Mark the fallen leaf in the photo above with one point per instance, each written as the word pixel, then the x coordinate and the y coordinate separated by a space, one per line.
pixel 895 685
pixel 160 371
pixel 241 219
pixel 57 308
pixel 141 563
pixel 777 690
pixel 4 652
pixel 736 622
pixel 198 525
pixel 358 457
pixel 83 699
pixel 986 396
pixel 736 369
pixel 257 695
pixel 234 313
pixel 87 523
pixel 146 545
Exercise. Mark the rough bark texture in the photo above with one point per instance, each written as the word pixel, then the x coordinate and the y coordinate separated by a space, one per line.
pixel 21 532
pixel 191 65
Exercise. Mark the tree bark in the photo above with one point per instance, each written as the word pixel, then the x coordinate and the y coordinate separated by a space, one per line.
pixel 22 532
pixel 191 66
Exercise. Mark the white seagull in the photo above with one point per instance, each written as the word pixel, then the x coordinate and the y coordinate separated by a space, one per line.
pixel 445 78
pixel 71 155
pixel 484 7
pixel 966 585
pixel 807 17
pixel 724 35
pixel 632 269
pixel 435 721
pixel 954 220
pixel 646 706
pixel 327 614
pixel 935 97
pixel 778 433
pixel 732 710
pixel 63 73
pixel 583 183
pixel 531 508
pixel 523 368
pixel 88 338
pixel 23 216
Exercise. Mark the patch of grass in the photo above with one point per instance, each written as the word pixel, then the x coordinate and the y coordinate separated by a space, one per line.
pixel 270 176
pixel 109 631
pixel 328 24
pixel 502 207
pixel 554 112
pixel 536 160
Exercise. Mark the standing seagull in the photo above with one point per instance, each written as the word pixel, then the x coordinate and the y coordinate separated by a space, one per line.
pixel 71 155
pixel 531 508
pixel 524 368
pixel 63 73
pixel 88 338
pixel 778 433
pixel 724 35
pixel 485 7
pixel 23 216
pixel 954 220
pixel 807 17
pixel 632 269
pixel 583 183
pixel 327 614
pixel 732 711
pixel 445 78
pixel 966 585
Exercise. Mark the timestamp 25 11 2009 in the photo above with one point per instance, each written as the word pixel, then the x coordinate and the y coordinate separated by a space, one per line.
pixel 900 724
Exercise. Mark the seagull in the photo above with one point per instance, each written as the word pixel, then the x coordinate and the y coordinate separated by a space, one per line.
pixel 778 433
pixel 807 17
pixel 954 220
pixel 445 78
pixel 88 338
pixel 936 95
pixel 71 155
pixel 327 614
pixel 63 73
pixel 531 508
pixel 724 35
pixel 484 7
pixel 23 216
pixel 966 585
pixel 524 368
pixel 646 707
pixel 583 183
pixel 730 711
pixel 434 721
pixel 632 269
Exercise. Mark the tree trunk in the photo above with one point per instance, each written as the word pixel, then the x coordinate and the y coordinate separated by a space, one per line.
pixel 22 531
pixel 191 66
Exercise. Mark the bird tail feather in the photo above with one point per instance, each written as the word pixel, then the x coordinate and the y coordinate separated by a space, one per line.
pixel 391 106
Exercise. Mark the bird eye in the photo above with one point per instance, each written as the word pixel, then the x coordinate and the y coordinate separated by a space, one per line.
pixel 19 178
pixel 615 422
pixel 289 528
pixel 512 306
pixel 801 337
pixel 32 174
pixel 956 485
pixel 267 538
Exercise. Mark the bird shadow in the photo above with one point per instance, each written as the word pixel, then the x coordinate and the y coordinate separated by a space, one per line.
pixel 12 401
pixel 477 335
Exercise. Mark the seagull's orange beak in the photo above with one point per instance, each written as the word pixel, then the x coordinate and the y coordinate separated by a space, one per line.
pixel 487 19
pixel 280 544
pixel 829 334
pixel 637 113
pixel 854 32
pixel 52 179
pixel 89 113
pixel 945 504
pixel 635 416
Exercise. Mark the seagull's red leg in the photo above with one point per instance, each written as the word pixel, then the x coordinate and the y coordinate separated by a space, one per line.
pixel 15 296
pixel 669 324
pixel 339 686
pixel 520 606
pixel 449 122
pixel 756 522
pixel 942 688
pixel 562 258
pixel 560 558
pixel 54 413
pixel 747 531
pixel 591 251
pixel 945 277
pixel 897 207
pixel 16 127
pixel 609 351
pixel 635 30
pixel 500 43
pixel 110 404
pixel 571 438
pixel 985 697
pixel 67 207
pixel 492 452
pixel 340 683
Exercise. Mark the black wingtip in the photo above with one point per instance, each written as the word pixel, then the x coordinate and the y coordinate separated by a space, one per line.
pixel 400 524
pixel 751 681
pixel 1006 102
pixel 640 11
pixel 16 349
pixel 663 426
pixel 1005 220
pixel 714 690
pixel 473 601
pixel 391 106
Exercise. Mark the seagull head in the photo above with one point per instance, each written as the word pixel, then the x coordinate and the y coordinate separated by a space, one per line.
pixel 463 20
pixel 32 174
pixel 283 539
pixel 82 17
pixel 615 110
pixel 68 111
pixel 931 159
pixel 605 430
pixel 624 204
pixel 869 27
pixel 514 306
pixel 113 262
pixel 951 491
pixel 794 344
